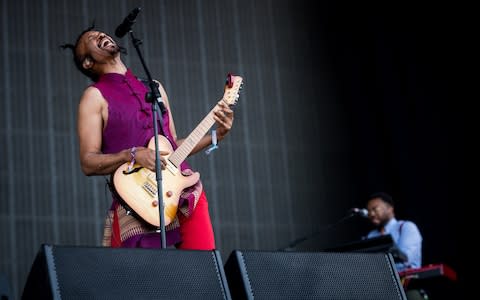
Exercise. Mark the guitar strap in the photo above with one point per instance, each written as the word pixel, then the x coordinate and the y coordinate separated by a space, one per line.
pixel 400 228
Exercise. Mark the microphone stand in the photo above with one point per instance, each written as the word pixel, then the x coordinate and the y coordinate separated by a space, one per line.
pixel 154 97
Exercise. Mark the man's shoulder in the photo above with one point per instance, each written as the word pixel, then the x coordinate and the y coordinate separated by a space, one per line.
pixel 92 97
pixel 91 90
pixel 407 225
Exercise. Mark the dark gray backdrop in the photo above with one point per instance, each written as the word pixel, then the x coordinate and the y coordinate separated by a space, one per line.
pixel 338 102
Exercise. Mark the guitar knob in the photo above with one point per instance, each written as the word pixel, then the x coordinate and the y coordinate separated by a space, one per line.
pixel 169 194
pixel 155 203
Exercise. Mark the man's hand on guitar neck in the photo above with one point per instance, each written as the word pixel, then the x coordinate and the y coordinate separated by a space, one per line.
pixel 223 116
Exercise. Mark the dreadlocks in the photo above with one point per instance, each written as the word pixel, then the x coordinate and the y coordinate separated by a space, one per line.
pixel 78 59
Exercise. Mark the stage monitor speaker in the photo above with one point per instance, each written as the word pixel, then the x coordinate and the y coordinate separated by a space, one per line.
pixel 312 275
pixel 64 272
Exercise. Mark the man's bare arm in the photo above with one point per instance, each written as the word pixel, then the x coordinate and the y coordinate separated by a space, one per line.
pixel 91 117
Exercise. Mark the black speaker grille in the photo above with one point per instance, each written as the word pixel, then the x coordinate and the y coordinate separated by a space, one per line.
pixel 305 275
pixel 106 273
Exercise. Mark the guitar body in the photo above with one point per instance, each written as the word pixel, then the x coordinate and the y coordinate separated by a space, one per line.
pixel 139 188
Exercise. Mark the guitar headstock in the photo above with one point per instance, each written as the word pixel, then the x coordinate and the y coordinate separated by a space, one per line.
pixel 233 85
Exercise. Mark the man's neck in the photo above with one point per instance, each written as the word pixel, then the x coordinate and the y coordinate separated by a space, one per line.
pixel 114 66
pixel 382 227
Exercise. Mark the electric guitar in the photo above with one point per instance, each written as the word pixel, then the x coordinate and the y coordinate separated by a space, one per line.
pixel 137 186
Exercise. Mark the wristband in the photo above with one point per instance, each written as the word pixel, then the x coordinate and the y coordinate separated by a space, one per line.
pixel 214 145
pixel 133 151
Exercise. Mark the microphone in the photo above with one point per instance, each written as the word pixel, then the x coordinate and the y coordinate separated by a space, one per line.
pixel 363 212
pixel 127 23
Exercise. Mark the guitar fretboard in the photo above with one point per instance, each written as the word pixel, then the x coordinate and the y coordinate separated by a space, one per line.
pixel 230 97
pixel 181 153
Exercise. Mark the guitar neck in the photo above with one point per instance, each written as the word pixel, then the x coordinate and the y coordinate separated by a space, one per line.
pixel 181 153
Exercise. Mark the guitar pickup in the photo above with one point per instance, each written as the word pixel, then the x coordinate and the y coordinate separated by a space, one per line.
pixel 150 188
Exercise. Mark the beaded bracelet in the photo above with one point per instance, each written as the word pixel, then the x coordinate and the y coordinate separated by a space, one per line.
pixel 133 151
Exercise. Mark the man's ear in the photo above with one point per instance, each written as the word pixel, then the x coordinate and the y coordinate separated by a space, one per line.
pixel 390 209
pixel 87 63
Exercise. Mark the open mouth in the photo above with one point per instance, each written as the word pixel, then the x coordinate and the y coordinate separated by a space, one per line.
pixel 104 42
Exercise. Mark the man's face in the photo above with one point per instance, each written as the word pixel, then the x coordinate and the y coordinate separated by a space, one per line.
pixel 379 212
pixel 96 47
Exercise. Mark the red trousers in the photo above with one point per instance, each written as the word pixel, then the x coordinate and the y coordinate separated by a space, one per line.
pixel 197 230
